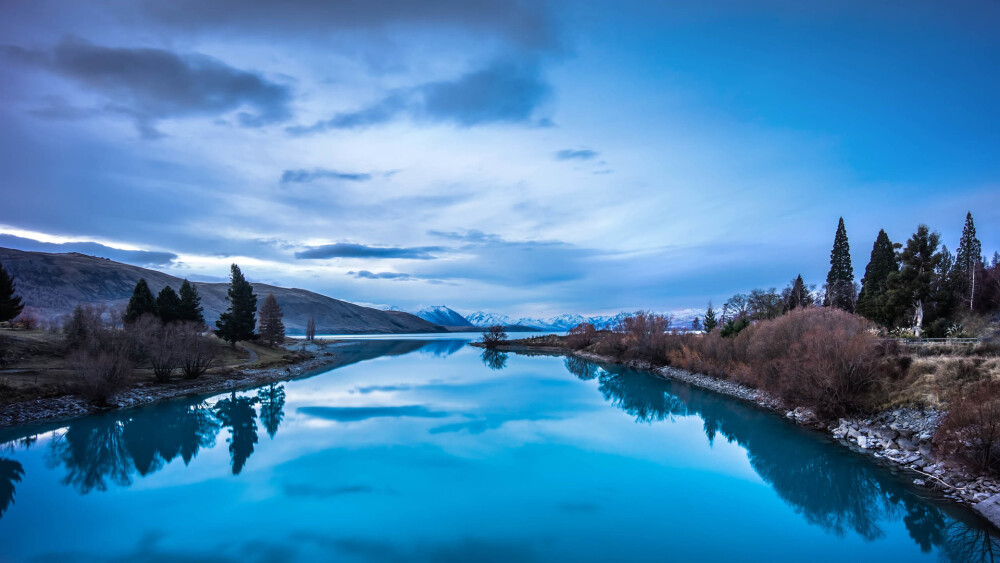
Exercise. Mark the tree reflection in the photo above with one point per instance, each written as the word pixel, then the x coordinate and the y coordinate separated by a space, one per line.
pixel 93 452
pixel 272 407
pixel 10 472
pixel 238 414
pixel 494 359
pixel 583 369
pixel 830 487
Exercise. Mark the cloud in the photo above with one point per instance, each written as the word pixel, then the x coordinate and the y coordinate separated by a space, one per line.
pixel 349 250
pixel 369 275
pixel 316 491
pixel 353 414
pixel 134 257
pixel 154 84
pixel 471 235
pixel 305 176
pixel 576 154
pixel 505 91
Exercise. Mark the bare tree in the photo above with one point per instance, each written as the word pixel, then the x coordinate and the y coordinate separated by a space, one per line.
pixel 198 352
pixel 494 336
pixel 160 344
pixel 311 329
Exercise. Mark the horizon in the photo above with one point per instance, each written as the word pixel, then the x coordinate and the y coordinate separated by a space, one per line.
pixel 530 159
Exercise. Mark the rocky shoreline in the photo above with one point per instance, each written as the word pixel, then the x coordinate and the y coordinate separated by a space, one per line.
pixel 58 409
pixel 901 437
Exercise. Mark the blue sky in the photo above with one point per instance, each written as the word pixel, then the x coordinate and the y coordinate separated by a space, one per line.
pixel 531 158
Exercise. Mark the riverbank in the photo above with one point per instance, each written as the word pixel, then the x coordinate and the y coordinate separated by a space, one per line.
pixel 901 437
pixel 66 407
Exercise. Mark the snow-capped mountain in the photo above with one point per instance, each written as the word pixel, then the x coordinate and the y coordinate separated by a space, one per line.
pixel 441 315
pixel 681 319
pixel 484 319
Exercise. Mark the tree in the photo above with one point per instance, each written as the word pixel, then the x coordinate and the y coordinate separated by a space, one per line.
pixel 141 303
pixel 967 262
pixel 912 287
pixel 238 414
pixel 494 336
pixel 840 281
pixel 239 320
pixel 272 330
pixel 710 321
pixel 696 324
pixel 872 303
pixel 272 405
pixel 797 294
pixel 10 304
pixel 311 329
pixel 190 307
pixel 168 305
pixel 764 304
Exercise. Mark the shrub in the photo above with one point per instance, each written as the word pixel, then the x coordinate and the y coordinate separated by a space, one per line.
pixel 159 344
pixel 971 430
pixel 103 365
pixel 581 336
pixel 494 336
pixel 198 352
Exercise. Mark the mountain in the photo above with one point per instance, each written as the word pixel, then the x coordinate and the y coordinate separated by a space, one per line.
pixel 53 284
pixel 441 315
pixel 483 319
pixel 681 319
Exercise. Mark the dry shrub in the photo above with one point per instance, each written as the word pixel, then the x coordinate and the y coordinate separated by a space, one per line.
pixel 971 430
pixel 159 343
pixel 581 336
pixel 643 336
pixel 102 366
pixel 199 352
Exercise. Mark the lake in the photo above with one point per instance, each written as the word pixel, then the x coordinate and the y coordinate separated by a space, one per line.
pixel 430 450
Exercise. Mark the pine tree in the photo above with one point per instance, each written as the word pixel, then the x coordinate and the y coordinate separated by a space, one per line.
pixel 239 320
pixel 311 329
pixel 190 308
pixel 10 304
pixel 872 303
pixel 141 303
pixel 272 330
pixel 168 305
pixel 911 289
pixel 272 405
pixel 710 321
pixel 797 294
pixel 967 262
pixel 840 280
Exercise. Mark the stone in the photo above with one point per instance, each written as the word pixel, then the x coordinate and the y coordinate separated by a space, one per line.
pixel 863 442
pixel 852 433
pixel 924 449
pixel 919 482
pixel 906 444
pixel 990 509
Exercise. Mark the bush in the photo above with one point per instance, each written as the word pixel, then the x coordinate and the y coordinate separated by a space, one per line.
pixel 198 352
pixel 494 336
pixel 581 336
pixel 971 430
pixel 103 366
pixel 160 344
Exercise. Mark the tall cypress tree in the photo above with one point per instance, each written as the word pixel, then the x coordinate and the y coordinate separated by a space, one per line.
pixel 840 280
pixel 168 305
pixel 141 302
pixel 190 308
pixel 239 320
pixel 967 262
pixel 10 304
pixel 872 303
pixel 911 289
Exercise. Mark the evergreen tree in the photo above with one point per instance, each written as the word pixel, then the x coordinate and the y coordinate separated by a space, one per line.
pixel 141 303
pixel 696 324
pixel 967 263
pixel 797 294
pixel 911 289
pixel 710 321
pixel 272 330
pixel 10 304
pixel 272 405
pixel 190 308
pixel 168 305
pixel 872 303
pixel 840 281
pixel 239 320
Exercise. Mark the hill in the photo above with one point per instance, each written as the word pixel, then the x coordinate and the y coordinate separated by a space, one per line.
pixel 443 316
pixel 53 284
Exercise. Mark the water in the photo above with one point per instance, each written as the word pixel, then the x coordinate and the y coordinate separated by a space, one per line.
pixel 426 450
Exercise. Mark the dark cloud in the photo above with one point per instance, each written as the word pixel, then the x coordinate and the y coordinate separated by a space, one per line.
pixel 523 22
pixel 472 235
pixel 135 257
pixel 154 84
pixel 505 91
pixel 576 154
pixel 349 250
pixel 353 414
pixel 305 176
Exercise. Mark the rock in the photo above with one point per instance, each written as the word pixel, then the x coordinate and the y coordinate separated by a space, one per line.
pixel 924 449
pixel 920 482
pixel 990 509
pixel 863 442
pixel 887 434
pixel 906 444
pixel 852 433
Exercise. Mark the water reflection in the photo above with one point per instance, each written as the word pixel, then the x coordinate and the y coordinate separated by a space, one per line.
pixel 11 472
pixel 238 414
pixel 494 359
pixel 830 487
pixel 272 407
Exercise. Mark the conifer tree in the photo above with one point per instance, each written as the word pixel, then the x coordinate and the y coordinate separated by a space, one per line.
pixel 967 262
pixel 797 294
pixel 141 303
pixel 911 289
pixel 190 307
pixel 872 303
pixel 239 320
pixel 840 280
pixel 168 305
pixel 10 304
pixel 272 329
pixel 710 321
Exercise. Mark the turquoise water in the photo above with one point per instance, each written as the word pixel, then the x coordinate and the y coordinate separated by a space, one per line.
pixel 424 450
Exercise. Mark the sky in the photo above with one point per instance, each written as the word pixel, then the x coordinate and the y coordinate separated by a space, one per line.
pixel 523 157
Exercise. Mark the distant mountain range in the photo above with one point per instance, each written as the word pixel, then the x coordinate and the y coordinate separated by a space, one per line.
pixel 450 318
pixel 53 284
